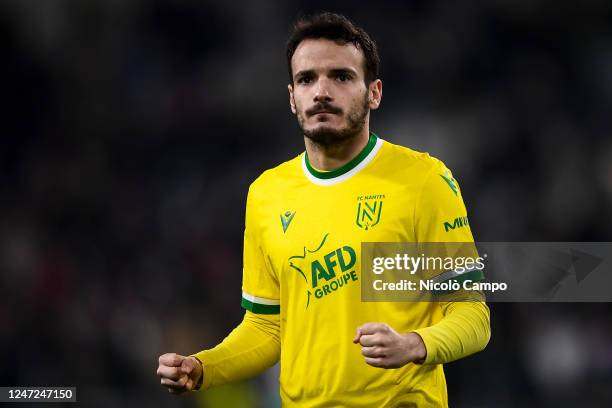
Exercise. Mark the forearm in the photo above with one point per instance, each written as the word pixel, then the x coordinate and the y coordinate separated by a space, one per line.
pixel 463 330
pixel 250 348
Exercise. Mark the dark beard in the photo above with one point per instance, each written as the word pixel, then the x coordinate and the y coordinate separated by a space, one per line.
pixel 329 137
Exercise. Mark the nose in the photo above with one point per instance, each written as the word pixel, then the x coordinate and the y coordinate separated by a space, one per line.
pixel 322 93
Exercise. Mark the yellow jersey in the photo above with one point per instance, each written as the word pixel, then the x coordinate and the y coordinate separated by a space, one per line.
pixel 302 243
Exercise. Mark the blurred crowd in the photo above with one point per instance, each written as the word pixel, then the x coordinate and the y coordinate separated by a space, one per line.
pixel 133 129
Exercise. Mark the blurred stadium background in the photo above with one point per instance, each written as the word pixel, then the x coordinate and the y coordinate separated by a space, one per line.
pixel 132 130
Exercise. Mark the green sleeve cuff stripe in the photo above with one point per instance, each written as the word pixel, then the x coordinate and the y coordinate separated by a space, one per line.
pixel 473 275
pixel 259 308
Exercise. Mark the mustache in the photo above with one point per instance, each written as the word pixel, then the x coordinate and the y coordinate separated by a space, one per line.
pixel 323 107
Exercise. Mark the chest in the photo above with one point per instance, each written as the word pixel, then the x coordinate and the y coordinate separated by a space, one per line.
pixel 317 232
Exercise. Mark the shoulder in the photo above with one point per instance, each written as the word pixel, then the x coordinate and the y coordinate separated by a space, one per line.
pixel 412 163
pixel 273 180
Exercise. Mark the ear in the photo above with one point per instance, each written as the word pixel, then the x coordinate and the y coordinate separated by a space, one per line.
pixel 291 99
pixel 375 94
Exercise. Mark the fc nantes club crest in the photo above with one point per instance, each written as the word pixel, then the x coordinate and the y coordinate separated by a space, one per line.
pixel 369 209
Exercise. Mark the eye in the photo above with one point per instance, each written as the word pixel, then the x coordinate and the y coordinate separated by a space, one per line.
pixel 343 77
pixel 304 80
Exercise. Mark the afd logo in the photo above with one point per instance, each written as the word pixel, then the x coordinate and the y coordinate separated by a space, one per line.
pixel 458 222
pixel 325 274
pixel 336 262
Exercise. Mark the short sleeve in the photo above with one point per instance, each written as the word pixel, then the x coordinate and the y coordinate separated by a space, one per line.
pixel 260 288
pixel 441 217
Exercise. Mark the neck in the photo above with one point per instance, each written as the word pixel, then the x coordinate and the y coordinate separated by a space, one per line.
pixel 332 157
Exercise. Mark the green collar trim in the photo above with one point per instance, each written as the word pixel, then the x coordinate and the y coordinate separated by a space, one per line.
pixel 326 175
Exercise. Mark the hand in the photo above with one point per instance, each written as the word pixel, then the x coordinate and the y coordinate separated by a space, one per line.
pixel 383 347
pixel 179 373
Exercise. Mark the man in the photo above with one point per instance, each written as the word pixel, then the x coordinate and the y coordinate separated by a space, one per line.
pixel 305 222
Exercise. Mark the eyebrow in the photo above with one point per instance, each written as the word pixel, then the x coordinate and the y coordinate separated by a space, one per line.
pixel 333 71
pixel 305 72
pixel 337 71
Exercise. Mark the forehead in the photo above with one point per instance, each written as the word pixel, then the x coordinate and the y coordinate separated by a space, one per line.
pixel 323 54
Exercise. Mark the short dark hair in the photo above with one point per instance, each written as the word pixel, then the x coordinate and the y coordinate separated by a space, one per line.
pixel 340 29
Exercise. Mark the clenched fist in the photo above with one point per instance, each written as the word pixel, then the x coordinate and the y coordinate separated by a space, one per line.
pixel 385 348
pixel 179 373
